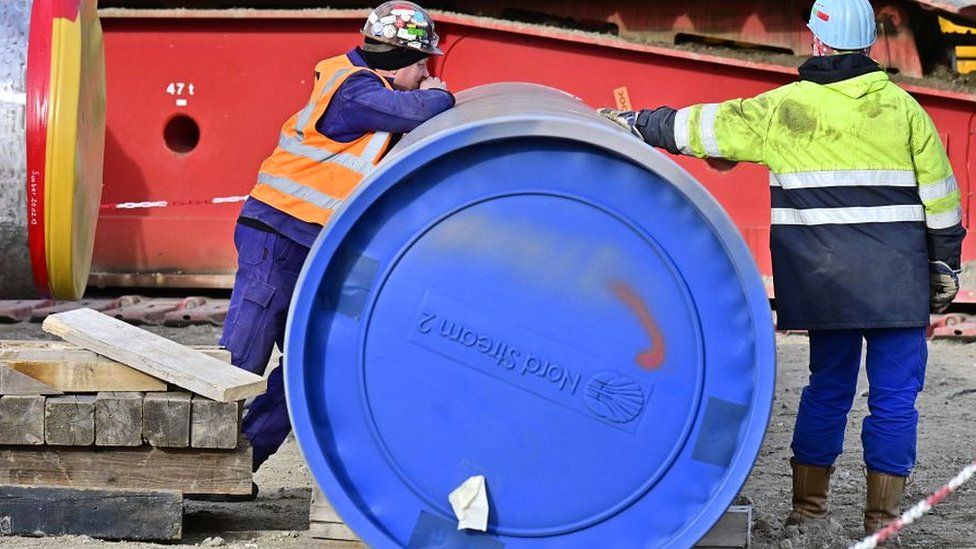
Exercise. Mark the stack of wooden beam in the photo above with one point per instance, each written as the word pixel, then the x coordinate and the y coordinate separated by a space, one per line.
pixel 116 424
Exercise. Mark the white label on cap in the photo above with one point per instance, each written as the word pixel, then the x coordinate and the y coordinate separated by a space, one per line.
pixel 373 17
pixel 388 19
pixel 389 31
pixel 405 34
pixel 377 29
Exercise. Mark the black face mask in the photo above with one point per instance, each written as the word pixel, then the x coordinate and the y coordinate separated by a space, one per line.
pixel 391 60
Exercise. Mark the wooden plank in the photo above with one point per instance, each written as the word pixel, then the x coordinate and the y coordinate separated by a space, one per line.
pixel 113 514
pixel 324 522
pixel 214 424
pixel 166 419
pixel 22 419
pixel 732 531
pixel 68 368
pixel 332 531
pixel 13 382
pixel 191 471
pixel 155 355
pixel 314 543
pixel 13 345
pixel 70 420
pixel 118 419
pixel 319 509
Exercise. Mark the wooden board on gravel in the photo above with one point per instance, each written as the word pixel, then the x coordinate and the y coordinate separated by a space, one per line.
pixel 68 368
pixel 155 355
pixel 191 471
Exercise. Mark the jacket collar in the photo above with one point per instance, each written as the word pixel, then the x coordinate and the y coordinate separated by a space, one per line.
pixel 356 58
pixel 835 68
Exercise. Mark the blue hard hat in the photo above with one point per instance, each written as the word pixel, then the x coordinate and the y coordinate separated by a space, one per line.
pixel 843 24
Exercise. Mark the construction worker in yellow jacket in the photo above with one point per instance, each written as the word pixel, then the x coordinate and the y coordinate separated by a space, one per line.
pixel 865 239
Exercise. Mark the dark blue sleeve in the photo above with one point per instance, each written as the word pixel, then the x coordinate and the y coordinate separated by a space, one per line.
pixel 363 104
pixel 657 128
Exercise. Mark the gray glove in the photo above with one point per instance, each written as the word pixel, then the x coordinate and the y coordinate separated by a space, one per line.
pixel 943 285
pixel 626 119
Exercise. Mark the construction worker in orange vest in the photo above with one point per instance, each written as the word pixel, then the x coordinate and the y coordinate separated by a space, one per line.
pixel 361 101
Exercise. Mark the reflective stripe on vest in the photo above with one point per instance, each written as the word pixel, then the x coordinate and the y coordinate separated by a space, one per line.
pixel 706 113
pixel 306 113
pixel 939 189
pixel 843 178
pixel 301 192
pixel 682 137
pixel 944 220
pixel 848 216
pixel 874 214
pixel 709 140
pixel 362 164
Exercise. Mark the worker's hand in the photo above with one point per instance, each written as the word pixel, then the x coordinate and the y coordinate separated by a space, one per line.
pixel 433 83
pixel 720 164
pixel 626 119
pixel 943 285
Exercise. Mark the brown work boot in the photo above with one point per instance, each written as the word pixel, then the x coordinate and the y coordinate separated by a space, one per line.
pixel 884 500
pixel 810 484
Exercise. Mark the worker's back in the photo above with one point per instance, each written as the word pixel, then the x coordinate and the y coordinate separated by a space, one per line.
pixel 862 192
pixel 858 181
pixel 847 218
pixel 861 123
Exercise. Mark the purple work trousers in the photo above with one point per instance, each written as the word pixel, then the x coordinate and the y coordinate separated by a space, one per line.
pixel 267 270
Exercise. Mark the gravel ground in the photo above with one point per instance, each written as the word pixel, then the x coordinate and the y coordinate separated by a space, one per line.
pixel 279 517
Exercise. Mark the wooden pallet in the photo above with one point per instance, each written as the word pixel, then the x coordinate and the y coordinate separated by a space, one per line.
pixel 187 470
pixel 173 419
pixel 733 530
pixel 108 447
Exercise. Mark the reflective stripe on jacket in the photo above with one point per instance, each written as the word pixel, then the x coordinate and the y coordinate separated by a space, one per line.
pixel 861 188
pixel 308 175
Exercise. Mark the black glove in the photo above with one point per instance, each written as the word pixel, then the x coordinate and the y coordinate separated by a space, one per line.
pixel 626 120
pixel 943 285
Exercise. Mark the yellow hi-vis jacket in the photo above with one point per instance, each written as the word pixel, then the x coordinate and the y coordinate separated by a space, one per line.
pixel 308 175
pixel 862 192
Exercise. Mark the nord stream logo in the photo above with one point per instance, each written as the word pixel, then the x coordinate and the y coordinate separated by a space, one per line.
pixel 501 352
pixel 614 397
pixel 514 355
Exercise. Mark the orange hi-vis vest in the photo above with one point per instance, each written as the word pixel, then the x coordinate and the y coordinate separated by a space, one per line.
pixel 309 175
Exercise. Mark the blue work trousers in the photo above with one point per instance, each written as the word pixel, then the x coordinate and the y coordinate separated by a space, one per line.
pixel 896 373
pixel 268 265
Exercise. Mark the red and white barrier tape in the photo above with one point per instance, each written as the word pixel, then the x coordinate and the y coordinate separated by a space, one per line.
pixel 170 203
pixel 918 510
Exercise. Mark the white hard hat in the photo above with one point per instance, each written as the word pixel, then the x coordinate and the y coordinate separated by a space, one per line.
pixel 844 24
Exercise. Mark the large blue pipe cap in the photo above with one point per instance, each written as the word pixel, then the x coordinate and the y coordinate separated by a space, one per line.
pixel 524 291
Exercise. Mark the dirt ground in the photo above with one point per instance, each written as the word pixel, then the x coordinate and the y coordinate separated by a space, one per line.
pixel 947 442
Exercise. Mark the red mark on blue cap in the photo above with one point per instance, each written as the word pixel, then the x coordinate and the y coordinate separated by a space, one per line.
pixel 650 359
pixel 822 15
